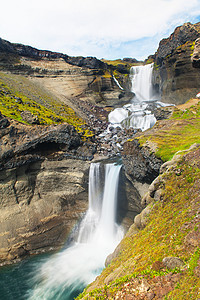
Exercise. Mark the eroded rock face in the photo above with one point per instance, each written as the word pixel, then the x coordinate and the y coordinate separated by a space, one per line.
pixel 67 78
pixel 174 71
pixel 42 192
pixel 39 204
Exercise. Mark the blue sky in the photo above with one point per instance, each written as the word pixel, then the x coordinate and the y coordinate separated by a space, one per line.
pixel 105 28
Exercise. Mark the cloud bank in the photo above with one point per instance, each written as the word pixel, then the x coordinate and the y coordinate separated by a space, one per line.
pixel 106 28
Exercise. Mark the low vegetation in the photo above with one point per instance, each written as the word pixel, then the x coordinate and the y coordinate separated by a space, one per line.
pixel 179 133
pixel 17 96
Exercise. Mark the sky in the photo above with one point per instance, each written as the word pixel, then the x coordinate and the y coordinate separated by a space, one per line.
pixel 107 29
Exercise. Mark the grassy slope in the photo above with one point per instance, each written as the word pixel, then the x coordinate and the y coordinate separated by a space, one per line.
pixel 179 133
pixel 171 223
pixel 17 94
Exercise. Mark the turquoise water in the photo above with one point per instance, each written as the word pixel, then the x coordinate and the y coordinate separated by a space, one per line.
pixel 16 281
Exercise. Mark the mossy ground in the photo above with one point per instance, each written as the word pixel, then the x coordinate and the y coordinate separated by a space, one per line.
pixel 17 94
pixel 113 64
pixel 179 133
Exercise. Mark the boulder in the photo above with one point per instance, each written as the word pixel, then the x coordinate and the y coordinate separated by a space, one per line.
pixel 30 118
pixel 173 262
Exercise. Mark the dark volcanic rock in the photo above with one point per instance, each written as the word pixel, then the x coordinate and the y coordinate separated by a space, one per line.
pixel 21 144
pixel 89 62
pixel 6 46
pixel 23 50
pixel 162 113
pixel 122 69
pixel 140 164
pixel 173 70
pixel 181 35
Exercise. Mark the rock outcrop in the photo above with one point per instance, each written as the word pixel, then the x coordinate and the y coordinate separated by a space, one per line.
pixel 140 163
pixel 174 70
pixel 28 51
pixel 196 54
pixel 40 203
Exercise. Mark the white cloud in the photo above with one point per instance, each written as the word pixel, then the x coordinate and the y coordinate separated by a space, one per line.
pixel 105 28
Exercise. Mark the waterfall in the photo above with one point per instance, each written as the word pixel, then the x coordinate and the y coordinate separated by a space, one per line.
pixel 138 113
pixel 66 274
pixel 117 82
pixel 141 77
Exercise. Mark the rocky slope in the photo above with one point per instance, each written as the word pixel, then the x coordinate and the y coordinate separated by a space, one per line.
pixel 159 258
pixel 174 70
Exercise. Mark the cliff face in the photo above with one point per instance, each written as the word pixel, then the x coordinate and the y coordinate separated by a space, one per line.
pixel 174 71
pixel 40 203
pixel 42 192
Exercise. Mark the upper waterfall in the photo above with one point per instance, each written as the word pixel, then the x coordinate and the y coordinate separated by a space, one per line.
pixel 138 113
pixel 141 78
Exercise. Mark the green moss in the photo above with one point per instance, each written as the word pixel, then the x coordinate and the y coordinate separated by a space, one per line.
pixel 13 103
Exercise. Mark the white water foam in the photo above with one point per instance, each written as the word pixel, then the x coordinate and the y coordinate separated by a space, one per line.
pixel 78 265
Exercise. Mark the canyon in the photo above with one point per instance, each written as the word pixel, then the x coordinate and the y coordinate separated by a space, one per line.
pixel 45 159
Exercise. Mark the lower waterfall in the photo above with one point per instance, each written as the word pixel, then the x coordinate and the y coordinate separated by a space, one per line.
pixel 66 273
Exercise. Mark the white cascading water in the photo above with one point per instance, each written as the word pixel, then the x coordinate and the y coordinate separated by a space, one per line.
pixel 136 114
pixel 72 269
pixel 141 77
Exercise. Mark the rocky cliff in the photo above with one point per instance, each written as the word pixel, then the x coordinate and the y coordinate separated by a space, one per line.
pixel 174 70
pixel 42 191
